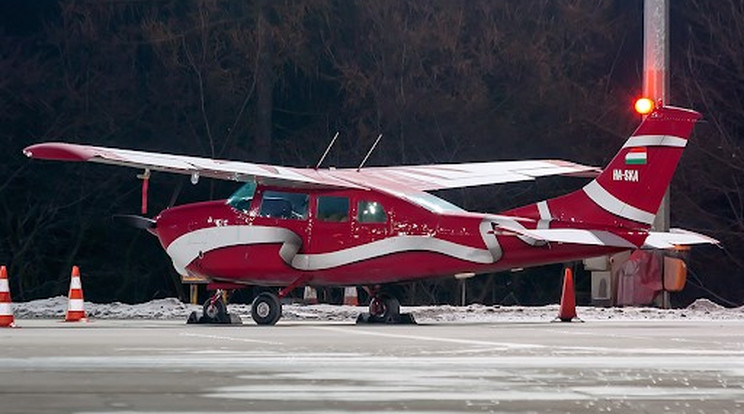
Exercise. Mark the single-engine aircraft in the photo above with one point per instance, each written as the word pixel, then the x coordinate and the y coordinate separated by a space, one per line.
pixel 372 227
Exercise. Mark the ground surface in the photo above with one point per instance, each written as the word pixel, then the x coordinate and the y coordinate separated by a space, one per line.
pixel 681 366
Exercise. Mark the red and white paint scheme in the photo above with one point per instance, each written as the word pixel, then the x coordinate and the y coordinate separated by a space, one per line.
pixel 291 227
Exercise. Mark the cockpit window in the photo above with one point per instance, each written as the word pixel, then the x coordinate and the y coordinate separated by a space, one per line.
pixel 241 199
pixel 333 209
pixel 284 205
pixel 371 212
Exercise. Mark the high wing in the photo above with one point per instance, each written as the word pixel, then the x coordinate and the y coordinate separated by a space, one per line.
pixel 417 177
pixel 444 176
pixel 194 166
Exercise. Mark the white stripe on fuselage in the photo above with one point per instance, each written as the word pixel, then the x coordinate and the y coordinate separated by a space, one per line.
pixel 614 205
pixel 191 245
pixel 545 216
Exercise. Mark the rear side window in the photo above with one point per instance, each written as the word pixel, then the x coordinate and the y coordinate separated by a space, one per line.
pixel 333 209
pixel 284 205
pixel 371 212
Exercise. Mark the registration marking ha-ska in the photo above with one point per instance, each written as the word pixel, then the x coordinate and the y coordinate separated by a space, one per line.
pixel 625 175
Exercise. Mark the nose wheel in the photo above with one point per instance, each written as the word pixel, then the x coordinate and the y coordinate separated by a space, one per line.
pixel 385 309
pixel 214 311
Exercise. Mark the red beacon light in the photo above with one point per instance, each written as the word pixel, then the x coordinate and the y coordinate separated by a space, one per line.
pixel 644 106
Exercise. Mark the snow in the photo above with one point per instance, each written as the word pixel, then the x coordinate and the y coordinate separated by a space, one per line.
pixel 172 308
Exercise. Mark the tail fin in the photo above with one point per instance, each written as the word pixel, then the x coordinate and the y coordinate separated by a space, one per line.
pixel 629 190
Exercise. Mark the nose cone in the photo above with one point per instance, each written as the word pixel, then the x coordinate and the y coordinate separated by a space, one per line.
pixel 175 222
pixel 178 229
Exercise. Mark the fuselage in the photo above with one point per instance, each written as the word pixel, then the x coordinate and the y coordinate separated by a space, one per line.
pixel 274 236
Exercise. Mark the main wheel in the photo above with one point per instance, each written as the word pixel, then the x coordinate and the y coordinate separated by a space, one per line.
pixel 385 308
pixel 215 311
pixel 266 309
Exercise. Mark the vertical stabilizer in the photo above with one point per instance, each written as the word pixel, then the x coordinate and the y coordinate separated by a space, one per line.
pixel 629 190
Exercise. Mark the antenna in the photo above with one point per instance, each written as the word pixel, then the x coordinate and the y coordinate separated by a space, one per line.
pixel 369 152
pixel 322 158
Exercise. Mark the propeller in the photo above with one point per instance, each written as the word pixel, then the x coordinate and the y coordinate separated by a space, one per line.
pixel 139 222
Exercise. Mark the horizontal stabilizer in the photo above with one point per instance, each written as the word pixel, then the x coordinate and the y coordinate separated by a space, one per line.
pixel 676 237
pixel 573 236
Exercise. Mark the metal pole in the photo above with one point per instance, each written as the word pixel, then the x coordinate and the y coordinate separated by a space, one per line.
pixel 194 293
pixel 656 86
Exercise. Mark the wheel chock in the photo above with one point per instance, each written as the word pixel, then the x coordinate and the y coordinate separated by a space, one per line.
pixel 403 319
pixel 199 318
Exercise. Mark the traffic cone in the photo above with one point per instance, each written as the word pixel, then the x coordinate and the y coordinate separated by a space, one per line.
pixel 6 312
pixel 310 297
pixel 350 296
pixel 567 312
pixel 75 307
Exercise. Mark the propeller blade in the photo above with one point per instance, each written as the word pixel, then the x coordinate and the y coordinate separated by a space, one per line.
pixel 139 222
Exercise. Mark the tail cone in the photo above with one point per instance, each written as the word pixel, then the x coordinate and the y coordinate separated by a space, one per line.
pixel 567 312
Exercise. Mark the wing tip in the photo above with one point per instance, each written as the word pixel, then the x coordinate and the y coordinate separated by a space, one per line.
pixel 58 151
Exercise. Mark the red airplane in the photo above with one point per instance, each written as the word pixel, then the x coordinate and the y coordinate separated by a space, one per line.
pixel 291 227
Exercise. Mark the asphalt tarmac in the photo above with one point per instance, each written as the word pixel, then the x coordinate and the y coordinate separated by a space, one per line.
pixel 108 366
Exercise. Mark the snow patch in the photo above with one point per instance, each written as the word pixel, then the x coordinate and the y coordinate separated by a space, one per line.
pixel 705 305
pixel 172 308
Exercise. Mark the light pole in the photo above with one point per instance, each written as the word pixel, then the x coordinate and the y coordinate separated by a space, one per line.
pixel 656 87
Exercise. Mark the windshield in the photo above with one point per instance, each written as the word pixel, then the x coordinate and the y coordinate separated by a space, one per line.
pixel 241 199
pixel 432 203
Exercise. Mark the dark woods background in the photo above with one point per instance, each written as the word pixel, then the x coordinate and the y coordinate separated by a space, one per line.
pixel 272 81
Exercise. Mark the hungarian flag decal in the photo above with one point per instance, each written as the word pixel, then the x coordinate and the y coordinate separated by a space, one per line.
pixel 636 156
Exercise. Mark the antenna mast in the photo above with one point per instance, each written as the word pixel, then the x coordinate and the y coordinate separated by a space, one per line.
pixel 322 158
pixel 369 152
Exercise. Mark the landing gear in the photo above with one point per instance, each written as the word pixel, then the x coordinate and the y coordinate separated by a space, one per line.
pixel 267 306
pixel 214 311
pixel 266 309
pixel 384 308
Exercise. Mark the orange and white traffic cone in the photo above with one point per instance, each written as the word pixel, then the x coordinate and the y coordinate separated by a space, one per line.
pixel 310 297
pixel 567 312
pixel 6 311
pixel 350 296
pixel 75 307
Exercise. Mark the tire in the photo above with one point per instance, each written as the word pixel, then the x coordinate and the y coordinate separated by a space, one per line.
pixel 385 309
pixel 392 309
pixel 266 309
pixel 215 312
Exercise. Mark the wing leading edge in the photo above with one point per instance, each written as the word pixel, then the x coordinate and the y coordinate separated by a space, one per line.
pixel 182 164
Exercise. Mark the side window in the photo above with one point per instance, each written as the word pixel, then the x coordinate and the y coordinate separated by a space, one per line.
pixel 284 205
pixel 371 212
pixel 333 209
